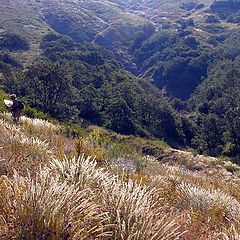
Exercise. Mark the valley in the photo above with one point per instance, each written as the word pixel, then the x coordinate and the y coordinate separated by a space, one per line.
pixel 109 23
pixel 131 120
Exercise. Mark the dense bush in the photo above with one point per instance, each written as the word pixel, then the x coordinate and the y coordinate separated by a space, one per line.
pixel 84 81
pixel 13 42
pixel 174 62
pixel 217 102
pixel 7 59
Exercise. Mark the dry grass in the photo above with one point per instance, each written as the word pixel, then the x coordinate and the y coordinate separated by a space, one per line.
pixel 43 207
pixel 230 234
pixel 50 190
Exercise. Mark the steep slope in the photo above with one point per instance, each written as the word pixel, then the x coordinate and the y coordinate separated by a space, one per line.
pixel 92 85
pixel 176 58
pixel 173 44
pixel 217 102
pixel 48 188
pixel 101 22
pixel 124 27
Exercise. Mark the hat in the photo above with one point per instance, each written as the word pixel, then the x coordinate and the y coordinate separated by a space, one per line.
pixel 14 96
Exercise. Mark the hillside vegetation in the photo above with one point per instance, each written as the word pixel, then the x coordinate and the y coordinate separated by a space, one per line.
pixel 85 81
pixel 131 121
pixel 156 69
pixel 50 190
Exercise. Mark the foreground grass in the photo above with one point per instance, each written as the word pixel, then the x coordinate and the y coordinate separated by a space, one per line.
pixel 50 190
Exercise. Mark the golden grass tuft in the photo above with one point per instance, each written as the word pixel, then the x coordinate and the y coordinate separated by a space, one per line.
pixel 43 207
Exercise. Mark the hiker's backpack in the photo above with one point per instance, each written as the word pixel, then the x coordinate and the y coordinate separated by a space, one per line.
pixel 20 105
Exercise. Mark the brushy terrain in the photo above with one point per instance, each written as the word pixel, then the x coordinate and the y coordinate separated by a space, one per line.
pixel 101 186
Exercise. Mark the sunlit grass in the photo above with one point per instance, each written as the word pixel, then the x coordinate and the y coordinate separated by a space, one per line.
pixel 51 190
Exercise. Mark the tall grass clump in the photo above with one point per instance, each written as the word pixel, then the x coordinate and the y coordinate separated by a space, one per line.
pixel 211 202
pixel 136 212
pixel 21 151
pixel 39 126
pixel 81 171
pixel 43 207
pixel 230 234
pixel 134 209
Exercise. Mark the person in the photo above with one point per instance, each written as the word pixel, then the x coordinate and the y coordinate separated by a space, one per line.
pixel 16 108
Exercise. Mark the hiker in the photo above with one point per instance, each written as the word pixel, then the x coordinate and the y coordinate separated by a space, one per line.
pixel 16 108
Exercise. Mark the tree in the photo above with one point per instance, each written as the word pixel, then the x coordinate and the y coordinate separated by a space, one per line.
pixel 48 87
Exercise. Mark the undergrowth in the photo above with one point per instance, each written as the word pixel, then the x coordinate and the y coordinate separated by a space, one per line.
pixel 100 185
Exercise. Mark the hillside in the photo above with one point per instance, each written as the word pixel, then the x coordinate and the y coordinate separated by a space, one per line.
pixel 83 21
pixel 145 68
pixel 131 121
pixel 128 29
pixel 49 189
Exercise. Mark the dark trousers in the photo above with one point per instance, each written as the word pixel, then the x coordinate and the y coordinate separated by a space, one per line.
pixel 16 114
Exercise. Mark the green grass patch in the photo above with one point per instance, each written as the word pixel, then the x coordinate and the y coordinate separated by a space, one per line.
pixel 33 113
pixel 3 96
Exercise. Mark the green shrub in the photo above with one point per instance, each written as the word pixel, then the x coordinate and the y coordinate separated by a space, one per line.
pixel 33 113
pixel 13 42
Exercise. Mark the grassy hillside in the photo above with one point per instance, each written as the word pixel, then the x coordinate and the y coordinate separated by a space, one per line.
pixel 91 21
pixel 22 18
pixel 122 27
pixel 3 96
pixel 113 24
pixel 50 190
pixel 173 46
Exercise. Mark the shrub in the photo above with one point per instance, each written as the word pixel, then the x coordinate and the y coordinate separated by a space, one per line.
pixel 13 42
